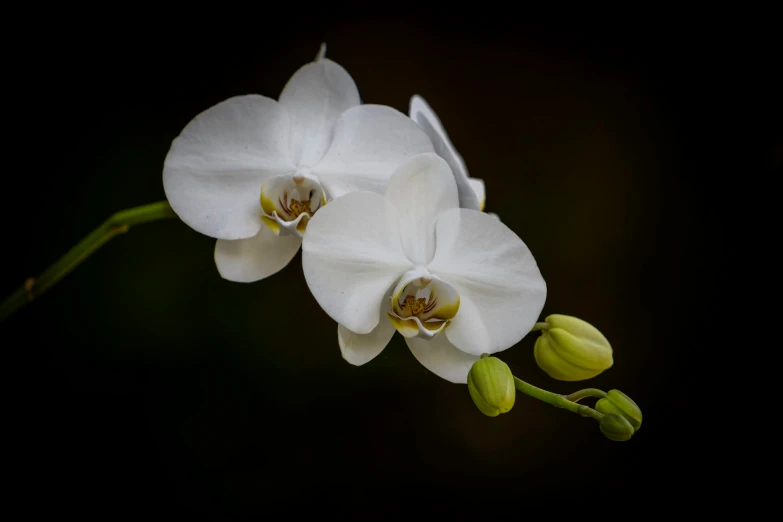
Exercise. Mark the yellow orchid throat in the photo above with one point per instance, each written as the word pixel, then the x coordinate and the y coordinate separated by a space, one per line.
pixel 422 305
pixel 289 201
pixel 296 207
pixel 414 306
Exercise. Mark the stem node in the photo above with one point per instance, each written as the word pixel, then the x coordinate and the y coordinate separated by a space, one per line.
pixel 28 287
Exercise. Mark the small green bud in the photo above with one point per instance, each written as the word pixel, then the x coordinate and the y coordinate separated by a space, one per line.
pixel 615 427
pixel 620 404
pixel 572 349
pixel 491 386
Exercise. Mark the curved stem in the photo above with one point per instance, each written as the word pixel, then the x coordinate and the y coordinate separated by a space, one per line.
pixel 555 400
pixel 118 223
pixel 586 411
pixel 321 52
pixel 540 326
pixel 588 392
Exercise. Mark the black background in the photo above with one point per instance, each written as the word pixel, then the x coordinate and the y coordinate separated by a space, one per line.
pixel 143 382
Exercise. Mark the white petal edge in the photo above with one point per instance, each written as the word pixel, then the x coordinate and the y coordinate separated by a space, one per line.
pixel 443 358
pixel 213 172
pixel 315 97
pixel 351 256
pixel 359 349
pixel 369 143
pixel 255 258
pixel 480 190
pixel 420 189
pixel 425 117
pixel 501 288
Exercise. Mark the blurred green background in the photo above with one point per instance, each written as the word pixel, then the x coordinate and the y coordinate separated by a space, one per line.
pixel 145 381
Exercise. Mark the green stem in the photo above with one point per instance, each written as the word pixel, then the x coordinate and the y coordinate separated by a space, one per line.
pixel 119 223
pixel 556 400
pixel 540 326
pixel 588 392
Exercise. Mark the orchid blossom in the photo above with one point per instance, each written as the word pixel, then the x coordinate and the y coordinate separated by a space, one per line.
pixel 455 282
pixel 393 234
pixel 251 171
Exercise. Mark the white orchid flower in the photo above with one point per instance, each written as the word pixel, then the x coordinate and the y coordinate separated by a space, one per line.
pixel 472 192
pixel 455 282
pixel 251 171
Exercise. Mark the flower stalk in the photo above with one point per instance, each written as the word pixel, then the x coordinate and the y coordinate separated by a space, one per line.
pixel 558 401
pixel 118 223
pixel 540 326
pixel 618 416
pixel 588 392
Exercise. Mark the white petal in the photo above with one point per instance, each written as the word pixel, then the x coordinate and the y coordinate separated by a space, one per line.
pixel 360 349
pixel 214 170
pixel 351 257
pixel 369 143
pixel 420 189
pixel 248 260
pixel 426 118
pixel 481 192
pixel 315 96
pixel 501 289
pixel 442 358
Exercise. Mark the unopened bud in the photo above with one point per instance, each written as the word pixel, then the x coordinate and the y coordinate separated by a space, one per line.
pixel 615 427
pixel 491 386
pixel 620 404
pixel 572 349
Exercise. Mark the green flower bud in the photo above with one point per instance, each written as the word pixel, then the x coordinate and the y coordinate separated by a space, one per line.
pixel 615 427
pixel 491 386
pixel 572 350
pixel 620 404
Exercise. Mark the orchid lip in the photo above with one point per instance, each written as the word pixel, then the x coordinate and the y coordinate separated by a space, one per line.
pixel 290 200
pixel 422 304
pixel 413 327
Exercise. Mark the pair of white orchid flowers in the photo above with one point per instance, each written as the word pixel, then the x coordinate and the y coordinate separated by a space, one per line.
pixel 392 229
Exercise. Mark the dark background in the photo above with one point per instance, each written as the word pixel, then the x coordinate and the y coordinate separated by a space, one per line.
pixel 144 382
